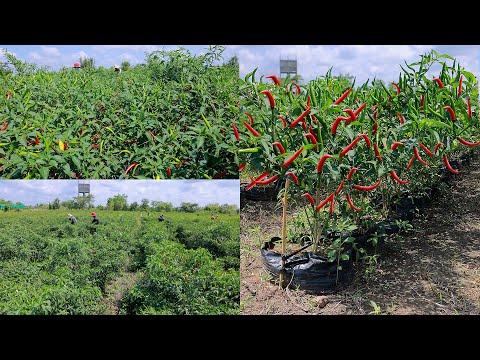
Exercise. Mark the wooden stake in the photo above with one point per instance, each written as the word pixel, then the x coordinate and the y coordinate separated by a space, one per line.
pixel 284 230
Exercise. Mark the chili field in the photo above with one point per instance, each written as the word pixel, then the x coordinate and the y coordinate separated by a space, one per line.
pixel 168 118
pixel 129 264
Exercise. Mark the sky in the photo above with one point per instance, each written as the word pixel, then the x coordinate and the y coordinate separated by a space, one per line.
pixel 201 192
pixel 362 61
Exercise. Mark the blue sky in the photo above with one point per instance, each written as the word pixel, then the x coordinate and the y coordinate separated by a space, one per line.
pixel 361 61
pixel 201 192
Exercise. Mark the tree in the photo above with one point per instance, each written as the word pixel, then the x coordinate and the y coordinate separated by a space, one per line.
pixel 118 202
pixel 56 204
pixel 87 63
pixel 234 65
pixel 188 207
pixel 125 65
pixel 84 202
pixel 144 204
pixel 161 206
pixel 133 206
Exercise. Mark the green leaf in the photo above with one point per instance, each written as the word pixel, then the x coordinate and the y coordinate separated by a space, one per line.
pixel 433 123
pixel 44 172
pixel 344 257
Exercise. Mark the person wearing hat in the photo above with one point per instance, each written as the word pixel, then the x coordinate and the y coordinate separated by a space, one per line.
pixel 95 220
pixel 161 218
pixel 72 219
pixel 117 68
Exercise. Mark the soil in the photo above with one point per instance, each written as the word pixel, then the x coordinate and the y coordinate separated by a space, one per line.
pixel 432 269
pixel 115 290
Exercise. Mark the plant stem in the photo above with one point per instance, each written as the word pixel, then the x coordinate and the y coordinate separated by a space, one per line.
pixel 284 230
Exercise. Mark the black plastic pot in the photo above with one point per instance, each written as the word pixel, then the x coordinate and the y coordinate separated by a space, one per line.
pixel 309 272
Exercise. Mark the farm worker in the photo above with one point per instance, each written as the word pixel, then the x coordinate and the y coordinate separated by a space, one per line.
pixel 77 66
pixel 72 219
pixel 161 218
pixel 117 68
pixel 95 220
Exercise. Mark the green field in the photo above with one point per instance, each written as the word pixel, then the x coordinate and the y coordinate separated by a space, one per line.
pixel 128 264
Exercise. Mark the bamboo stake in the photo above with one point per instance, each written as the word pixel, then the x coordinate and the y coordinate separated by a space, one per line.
pixel 284 231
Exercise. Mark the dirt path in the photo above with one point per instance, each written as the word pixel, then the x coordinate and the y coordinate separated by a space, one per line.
pixel 433 269
pixel 116 289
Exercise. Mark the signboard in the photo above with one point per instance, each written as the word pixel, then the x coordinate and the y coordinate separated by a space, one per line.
pixel 288 66
pixel 83 188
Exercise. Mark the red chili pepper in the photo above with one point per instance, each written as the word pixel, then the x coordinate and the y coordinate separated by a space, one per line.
pixel 340 187
pixel 131 142
pixel 322 161
pixel 350 202
pixel 368 188
pixel 151 133
pixel 402 120
pixel 293 176
pixel 341 98
pixel 279 146
pixel 95 138
pixel 439 82
pixel 410 163
pixel 292 158
pixel 241 167
pixel 336 123
pixel 417 156
pixel 80 131
pixel 375 129
pixel 332 202
pixel 308 101
pixel 187 88
pixel 396 87
pixel 359 110
pixel 424 148
pixel 397 179
pixel 447 164
pixel 468 143
pixel 169 171
pixel 297 87
pixel 270 97
pixel 95 146
pixel 8 95
pixel 250 117
pixel 130 167
pixel 460 85
pixel 396 144
pixel 450 111
pixel 4 126
pixel 353 143
pixel 218 176
pixel 274 78
pixel 310 198
pixel 65 146
pixel 350 173
pixel 235 131
pixel 469 108
pixel 437 146
pixel 377 153
pixel 315 121
pixel 352 117
pixel 313 132
pixel 251 129
pixel 283 121
pixel 312 139
pixel 324 202
pixel 367 140
pixel 422 100
pixel 375 111
pixel 304 124
pixel 302 115
pixel 252 184
pixel 267 181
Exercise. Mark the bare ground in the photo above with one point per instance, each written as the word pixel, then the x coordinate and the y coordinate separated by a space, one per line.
pixel 433 269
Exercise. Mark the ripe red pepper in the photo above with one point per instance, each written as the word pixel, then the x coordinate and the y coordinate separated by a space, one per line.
pixel 447 164
pixel 377 153
pixel 410 163
pixel 312 139
pixel 267 181
pixel 313 132
pixel 235 131
pixel 332 202
pixel 292 158
pixel 450 111
pixel 302 115
pixel 402 120
pixel 293 176
pixel 460 85
pixel 375 129
pixel 324 202
pixel 396 88
pixel 279 146
pixel 189 87
pixel 304 124
pixel 308 101
pixel 336 123
pixel 417 156
pixel 468 143
pixel 368 188
pixel 397 179
pixel 352 117
pixel 251 129
pixel 350 202
pixel 359 110
pixel 310 198
pixel 424 148
pixel 341 98
pixel 322 161
pixel 353 143
pixel 274 78
pixel 169 171
pixel 437 146
pixel 250 117
pixel 298 88
pixel 95 146
pixel 396 144
pixel 439 82
pixel 469 108
pixel 340 187
pixel 241 167
pixel 4 126
pixel 270 97
pixel 80 131
pixel 315 121
pixel 252 184
pixel 130 167
pixel 367 140
pixel 151 133
pixel 218 176
pixel 422 100
pixel 350 173
pixel 283 121
pixel 8 95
